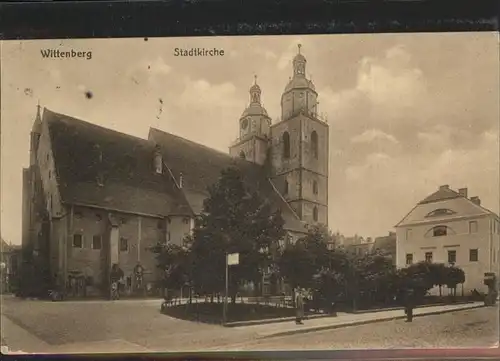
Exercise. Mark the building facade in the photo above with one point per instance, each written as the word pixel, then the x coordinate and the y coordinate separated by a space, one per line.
pixel 9 267
pixel 94 197
pixel 451 228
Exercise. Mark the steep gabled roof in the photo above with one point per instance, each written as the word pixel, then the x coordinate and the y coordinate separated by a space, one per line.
pixel 83 152
pixel 201 167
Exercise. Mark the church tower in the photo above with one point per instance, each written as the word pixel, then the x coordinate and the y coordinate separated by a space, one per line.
pixel 254 124
pixel 299 148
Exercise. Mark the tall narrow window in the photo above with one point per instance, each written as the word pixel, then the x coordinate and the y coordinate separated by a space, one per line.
pixel 473 255
pixel 428 257
pixel 96 242
pixel 315 187
pixel 315 214
pixel 473 227
pixel 77 241
pixel 123 244
pixel 314 144
pixel 409 258
pixel 242 155
pixel 452 257
pixel 285 188
pixel 408 234
pixel 286 145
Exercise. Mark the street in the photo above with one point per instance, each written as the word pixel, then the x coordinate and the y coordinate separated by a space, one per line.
pixel 138 326
pixel 468 329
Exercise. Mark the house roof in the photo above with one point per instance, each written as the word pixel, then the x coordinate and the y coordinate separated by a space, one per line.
pixel 83 152
pixel 4 246
pixel 440 195
pixel 201 167
pixel 451 203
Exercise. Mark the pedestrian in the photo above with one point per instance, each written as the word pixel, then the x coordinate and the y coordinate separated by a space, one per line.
pixel 115 276
pixel 409 305
pixel 299 307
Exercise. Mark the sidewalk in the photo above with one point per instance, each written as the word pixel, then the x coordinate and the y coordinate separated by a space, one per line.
pixel 347 319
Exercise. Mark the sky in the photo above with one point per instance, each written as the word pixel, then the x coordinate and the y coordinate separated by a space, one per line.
pixel 407 112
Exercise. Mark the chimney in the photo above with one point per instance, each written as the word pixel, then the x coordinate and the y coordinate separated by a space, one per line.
pixel 444 187
pixel 476 200
pixel 181 180
pixel 158 160
pixel 463 192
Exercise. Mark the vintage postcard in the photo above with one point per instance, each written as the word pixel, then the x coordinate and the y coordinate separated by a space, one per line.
pixel 318 192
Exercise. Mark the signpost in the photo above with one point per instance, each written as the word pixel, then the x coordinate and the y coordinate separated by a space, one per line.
pixel 232 259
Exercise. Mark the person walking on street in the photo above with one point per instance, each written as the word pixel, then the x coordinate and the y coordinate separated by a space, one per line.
pixel 299 307
pixel 409 305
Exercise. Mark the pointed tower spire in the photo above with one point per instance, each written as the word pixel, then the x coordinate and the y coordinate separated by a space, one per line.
pixel 299 46
pixel 38 116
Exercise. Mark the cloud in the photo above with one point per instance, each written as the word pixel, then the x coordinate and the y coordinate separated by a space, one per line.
pixel 200 93
pixel 286 58
pixel 152 72
pixel 372 135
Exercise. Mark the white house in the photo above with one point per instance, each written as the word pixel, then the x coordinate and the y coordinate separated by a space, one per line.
pixel 451 228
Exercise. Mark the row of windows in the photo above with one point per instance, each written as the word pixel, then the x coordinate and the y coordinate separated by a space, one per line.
pixel 314 187
pixel 314 145
pixel 78 242
pixel 124 220
pixel 452 256
pixel 441 231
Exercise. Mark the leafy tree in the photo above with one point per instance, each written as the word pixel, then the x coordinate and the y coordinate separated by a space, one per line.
pixel 173 260
pixel 301 262
pixel 235 219
pixel 439 273
pixel 454 277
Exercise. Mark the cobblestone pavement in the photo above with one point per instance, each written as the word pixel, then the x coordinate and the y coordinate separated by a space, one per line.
pixel 78 324
pixel 138 326
pixel 468 329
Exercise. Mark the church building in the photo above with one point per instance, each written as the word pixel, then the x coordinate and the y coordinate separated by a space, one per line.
pixel 94 197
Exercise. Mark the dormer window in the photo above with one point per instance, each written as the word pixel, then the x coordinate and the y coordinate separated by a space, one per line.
pixel 440 212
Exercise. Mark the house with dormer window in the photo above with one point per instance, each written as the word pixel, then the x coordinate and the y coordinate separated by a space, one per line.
pixel 451 228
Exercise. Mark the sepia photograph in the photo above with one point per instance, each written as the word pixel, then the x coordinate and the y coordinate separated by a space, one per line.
pixel 250 193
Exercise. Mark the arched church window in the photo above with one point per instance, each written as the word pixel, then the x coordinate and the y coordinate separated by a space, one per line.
pixel 315 214
pixel 314 144
pixel 242 155
pixel 315 187
pixel 286 145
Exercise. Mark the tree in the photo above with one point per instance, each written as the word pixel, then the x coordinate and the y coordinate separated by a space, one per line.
pixel 235 219
pixel 301 262
pixel 417 277
pixel 454 277
pixel 174 261
pixel 439 273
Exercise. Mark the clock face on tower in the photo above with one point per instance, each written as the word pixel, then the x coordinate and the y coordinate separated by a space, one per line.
pixel 244 124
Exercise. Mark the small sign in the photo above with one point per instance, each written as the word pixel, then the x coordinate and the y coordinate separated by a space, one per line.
pixel 233 259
